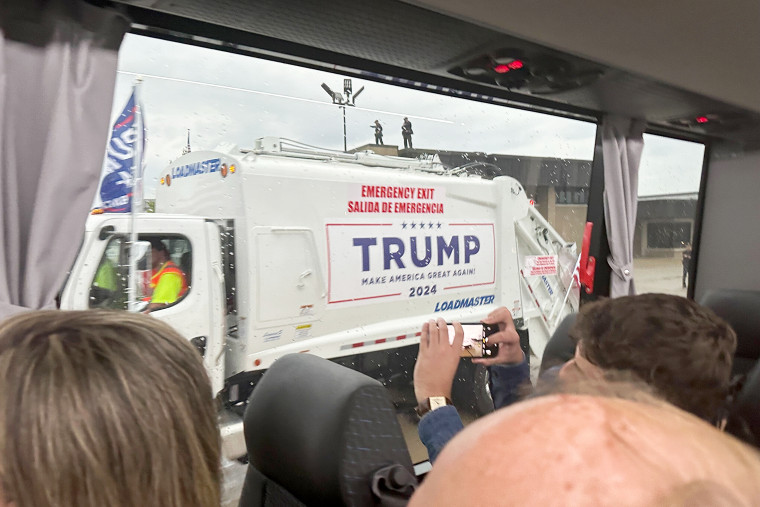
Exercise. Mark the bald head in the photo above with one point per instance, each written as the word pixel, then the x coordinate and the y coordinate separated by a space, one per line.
pixel 589 450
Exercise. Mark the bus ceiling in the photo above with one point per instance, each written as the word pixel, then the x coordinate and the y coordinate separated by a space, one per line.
pixel 667 67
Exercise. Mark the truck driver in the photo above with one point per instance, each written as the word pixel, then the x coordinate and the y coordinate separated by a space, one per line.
pixel 168 282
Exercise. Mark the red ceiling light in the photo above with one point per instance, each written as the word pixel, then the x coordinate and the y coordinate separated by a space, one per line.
pixel 702 119
pixel 503 68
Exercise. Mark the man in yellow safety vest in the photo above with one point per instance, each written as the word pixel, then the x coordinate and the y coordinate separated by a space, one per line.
pixel 168 282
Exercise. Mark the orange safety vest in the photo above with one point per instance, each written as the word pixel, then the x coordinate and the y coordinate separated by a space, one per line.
pixel 169 267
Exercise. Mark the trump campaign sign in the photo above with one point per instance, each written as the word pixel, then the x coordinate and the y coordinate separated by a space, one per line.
pixel 407 258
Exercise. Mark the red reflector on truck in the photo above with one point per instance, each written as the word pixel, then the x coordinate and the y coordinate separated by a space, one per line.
pixel 378 341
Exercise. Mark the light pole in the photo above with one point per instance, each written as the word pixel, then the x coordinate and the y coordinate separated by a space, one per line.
pixel 349 100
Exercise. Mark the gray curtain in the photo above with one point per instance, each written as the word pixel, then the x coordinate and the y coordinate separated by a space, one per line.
pixel 622 144
pixel 57 73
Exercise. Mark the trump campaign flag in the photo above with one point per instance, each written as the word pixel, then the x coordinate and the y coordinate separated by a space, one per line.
pixel 123 156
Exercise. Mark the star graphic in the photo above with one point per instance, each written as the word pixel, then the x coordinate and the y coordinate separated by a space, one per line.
pixel 403 225
pixel 422 225
pixel 439 225
pixel 430 225
pixel 414 226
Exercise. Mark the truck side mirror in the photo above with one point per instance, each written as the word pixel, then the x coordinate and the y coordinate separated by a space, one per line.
pixel 199 342
pixel 106 232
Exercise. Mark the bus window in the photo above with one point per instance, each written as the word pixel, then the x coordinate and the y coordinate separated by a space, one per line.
pixel 191 109
pixel 669 177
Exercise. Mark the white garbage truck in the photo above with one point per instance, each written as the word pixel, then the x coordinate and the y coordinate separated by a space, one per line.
pixel 290 249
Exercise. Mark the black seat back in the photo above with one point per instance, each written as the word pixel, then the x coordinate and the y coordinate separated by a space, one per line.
pixel 560 348
pixel 744 413
pixel 186 265
pixel 321 434
pixel 741 309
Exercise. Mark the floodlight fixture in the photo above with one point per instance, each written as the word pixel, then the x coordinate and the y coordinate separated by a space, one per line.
pixel 338 99
pixel 356 95
pixel 329 92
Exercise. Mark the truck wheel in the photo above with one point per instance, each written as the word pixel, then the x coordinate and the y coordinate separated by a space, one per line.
pixel 483 400
pixel 470 390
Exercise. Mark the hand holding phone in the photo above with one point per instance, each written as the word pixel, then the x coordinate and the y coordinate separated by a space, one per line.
pixel 437 361
pixel 476 339
pixel 506 337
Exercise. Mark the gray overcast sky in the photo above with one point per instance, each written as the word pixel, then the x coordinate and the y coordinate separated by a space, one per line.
pixel 254 98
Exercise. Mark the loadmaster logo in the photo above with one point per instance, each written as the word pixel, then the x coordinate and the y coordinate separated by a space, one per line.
pixel 205 167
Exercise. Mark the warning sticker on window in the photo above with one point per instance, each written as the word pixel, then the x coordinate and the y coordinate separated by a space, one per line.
pixel 537 265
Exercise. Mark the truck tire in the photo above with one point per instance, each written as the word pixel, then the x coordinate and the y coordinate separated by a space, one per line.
pixel 470 392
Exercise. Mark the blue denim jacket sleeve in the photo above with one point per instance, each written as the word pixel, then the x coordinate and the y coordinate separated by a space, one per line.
pixel 437 427
pixel 505 381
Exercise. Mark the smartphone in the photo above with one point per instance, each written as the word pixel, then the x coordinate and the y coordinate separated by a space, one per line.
pixel 476 339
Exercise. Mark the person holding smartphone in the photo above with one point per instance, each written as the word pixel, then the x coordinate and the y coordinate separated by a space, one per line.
pixel 682 350
pixel 436 367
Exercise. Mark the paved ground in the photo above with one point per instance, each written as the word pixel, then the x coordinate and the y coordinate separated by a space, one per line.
pixel 658 275
pixel 233 473
pixel 651 275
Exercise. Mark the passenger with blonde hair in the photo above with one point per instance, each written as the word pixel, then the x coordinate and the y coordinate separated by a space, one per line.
pixel 104 409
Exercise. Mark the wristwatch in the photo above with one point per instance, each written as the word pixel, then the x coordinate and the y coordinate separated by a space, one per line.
pixel 432 403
